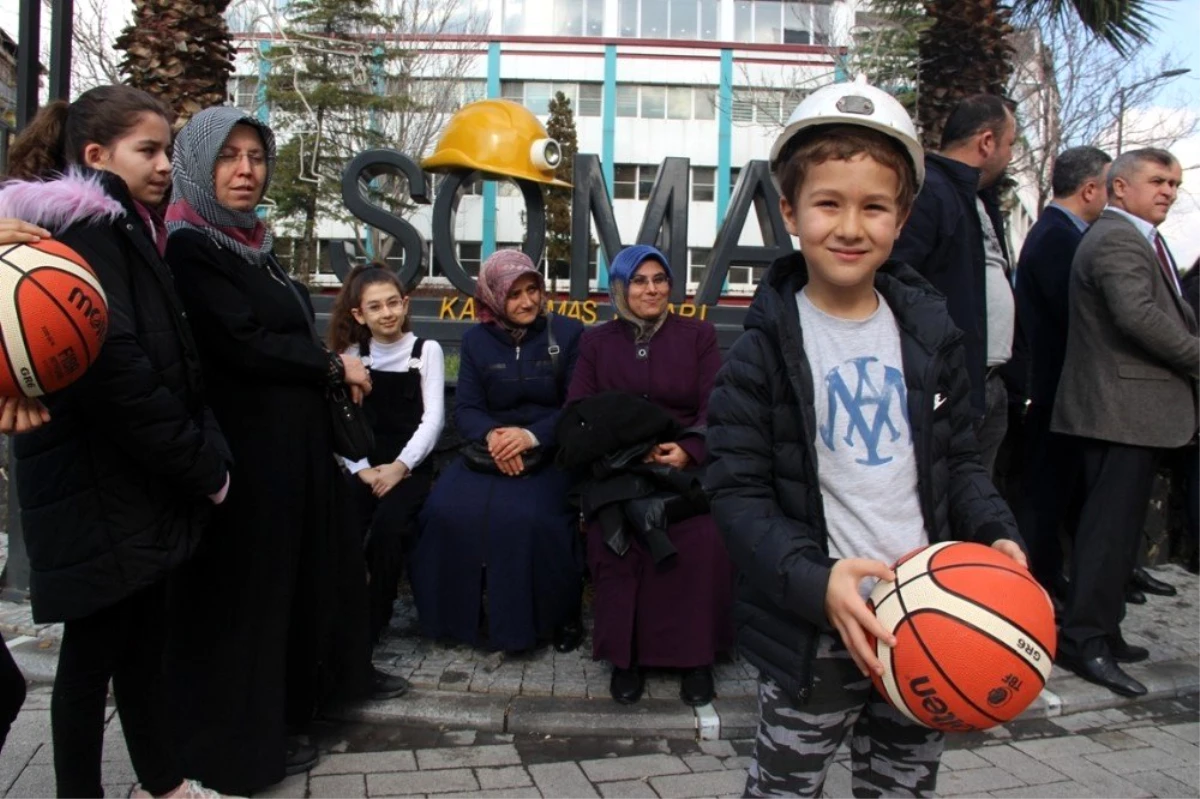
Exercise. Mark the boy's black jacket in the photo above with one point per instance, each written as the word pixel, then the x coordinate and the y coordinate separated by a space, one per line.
pixel 762 477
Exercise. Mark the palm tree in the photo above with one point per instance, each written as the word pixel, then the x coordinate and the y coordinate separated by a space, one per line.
pixel 965 50
pixel 179 51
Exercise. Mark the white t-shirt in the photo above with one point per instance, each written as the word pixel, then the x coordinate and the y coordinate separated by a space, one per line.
pixel 865 460
pixel 397 357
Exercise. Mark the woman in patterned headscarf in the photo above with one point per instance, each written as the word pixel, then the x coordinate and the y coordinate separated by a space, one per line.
pixel 272 612
pixel 500 522
pixel 672 615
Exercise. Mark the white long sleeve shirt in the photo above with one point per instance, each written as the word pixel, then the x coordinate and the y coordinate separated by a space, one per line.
pixel 397 357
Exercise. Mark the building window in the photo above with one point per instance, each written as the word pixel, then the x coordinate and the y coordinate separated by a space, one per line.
pixel 734 174
pixel 591 96
pixel 679 102
pixel 743 106
pixel 473 90
pixel 646 176
pixel 654 102
pixel 537 97
pixel 512 90
pixel 746 275
pixel 514 17
pixel 697 257
pixel 246 94
pixel 627 101
pixel 565 18
pixel 470 253
pixel 703 183
pixel 705 103
pixel 625 182
pixel 787 22
pixel 668 19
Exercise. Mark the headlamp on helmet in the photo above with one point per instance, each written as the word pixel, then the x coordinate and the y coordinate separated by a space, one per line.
pixel 545 154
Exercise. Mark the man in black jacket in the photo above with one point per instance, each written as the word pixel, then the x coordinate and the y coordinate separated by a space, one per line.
pixel 1052 463
pixel 955 238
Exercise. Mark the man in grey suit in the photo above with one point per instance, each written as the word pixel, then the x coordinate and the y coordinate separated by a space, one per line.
pixel 1127 393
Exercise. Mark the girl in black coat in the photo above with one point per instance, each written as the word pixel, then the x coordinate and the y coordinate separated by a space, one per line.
pixel 116 488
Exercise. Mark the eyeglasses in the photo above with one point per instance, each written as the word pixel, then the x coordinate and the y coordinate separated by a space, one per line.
pixel 641 281
pixel 394 304
pixel 256 159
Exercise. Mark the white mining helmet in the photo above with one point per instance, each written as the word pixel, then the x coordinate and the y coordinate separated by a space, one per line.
pixel 855 103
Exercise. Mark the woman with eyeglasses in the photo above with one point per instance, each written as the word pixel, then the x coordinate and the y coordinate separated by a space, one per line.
pixel 673 614
pixel 272 612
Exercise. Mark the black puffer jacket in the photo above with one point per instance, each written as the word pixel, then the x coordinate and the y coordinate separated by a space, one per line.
pixel 113 492
pixel 762 476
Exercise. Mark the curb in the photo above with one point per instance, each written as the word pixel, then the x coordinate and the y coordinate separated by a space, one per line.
pixel 733 718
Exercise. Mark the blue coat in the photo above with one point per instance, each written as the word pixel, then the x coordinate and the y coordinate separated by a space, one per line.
pixel 500 385
pixel 1043 274
pixel 520 528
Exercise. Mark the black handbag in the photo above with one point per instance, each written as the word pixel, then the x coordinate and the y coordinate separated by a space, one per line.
pixel 353 437
pixel 476 455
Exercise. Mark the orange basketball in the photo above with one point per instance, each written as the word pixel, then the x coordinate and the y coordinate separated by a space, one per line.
pixel 975 637
pixel 53 317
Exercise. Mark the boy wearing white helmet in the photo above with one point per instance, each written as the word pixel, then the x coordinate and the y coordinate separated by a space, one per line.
pixel 840 438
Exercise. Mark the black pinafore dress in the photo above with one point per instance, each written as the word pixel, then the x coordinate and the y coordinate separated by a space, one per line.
pixel 394 408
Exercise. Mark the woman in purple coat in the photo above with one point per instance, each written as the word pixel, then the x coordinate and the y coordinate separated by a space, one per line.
pixel 675 615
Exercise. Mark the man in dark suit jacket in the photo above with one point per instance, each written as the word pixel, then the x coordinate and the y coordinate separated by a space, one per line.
pixel 1128 392
pixel 1043 271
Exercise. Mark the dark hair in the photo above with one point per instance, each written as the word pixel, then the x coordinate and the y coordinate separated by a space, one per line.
pixel 57 136
pixel 344 330
pixel 1075 167
pixel 1131 161
pixel 841 143
pixel 972 116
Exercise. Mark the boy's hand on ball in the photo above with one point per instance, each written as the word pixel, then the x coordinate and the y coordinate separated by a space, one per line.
pixel 849 614
pixel 21 414
pixel 1013 550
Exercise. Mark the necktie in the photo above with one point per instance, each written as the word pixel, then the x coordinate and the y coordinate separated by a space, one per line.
pixel 1165 262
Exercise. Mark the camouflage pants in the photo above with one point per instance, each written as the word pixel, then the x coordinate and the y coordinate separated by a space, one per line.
pixel 796 744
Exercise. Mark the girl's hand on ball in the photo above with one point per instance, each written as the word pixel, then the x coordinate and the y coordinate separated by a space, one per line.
pixel 21 414
pixel 1013 550
pixel 14 231
pixel 849 614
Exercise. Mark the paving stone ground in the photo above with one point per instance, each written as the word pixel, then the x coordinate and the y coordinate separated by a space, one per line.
pixel 1168 627
pixel 1149 750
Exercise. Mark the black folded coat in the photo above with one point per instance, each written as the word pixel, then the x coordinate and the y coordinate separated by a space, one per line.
pixel 611 433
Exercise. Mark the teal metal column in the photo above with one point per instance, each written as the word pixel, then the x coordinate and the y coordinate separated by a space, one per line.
pixel 724 133
pixel 263 111
pixel 488 245
pixel 608 145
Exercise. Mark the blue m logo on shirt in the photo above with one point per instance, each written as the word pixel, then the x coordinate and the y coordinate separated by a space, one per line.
pixel 868 408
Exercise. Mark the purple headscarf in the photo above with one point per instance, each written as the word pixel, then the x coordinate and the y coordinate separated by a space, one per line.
pixel 496 278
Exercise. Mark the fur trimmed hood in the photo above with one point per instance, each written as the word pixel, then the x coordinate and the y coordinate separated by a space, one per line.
pixel 77 196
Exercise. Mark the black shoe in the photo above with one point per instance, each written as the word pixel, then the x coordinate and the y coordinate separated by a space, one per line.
pixel 626 685
pixel 568 637
pixel 696 686
pixel 1151 585
pixel 300 757
pixel 1127 653
pixel 1133 596
pixel 1103 670
pixel 388 686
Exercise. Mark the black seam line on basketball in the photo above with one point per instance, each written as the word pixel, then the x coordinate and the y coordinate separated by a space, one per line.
pixel 933 575
pixel 892 654
pixel 945 676
pixel 933 571
pixel 66 314
pixel 10 249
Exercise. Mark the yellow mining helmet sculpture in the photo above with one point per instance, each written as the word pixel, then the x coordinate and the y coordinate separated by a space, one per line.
pixel 499 138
